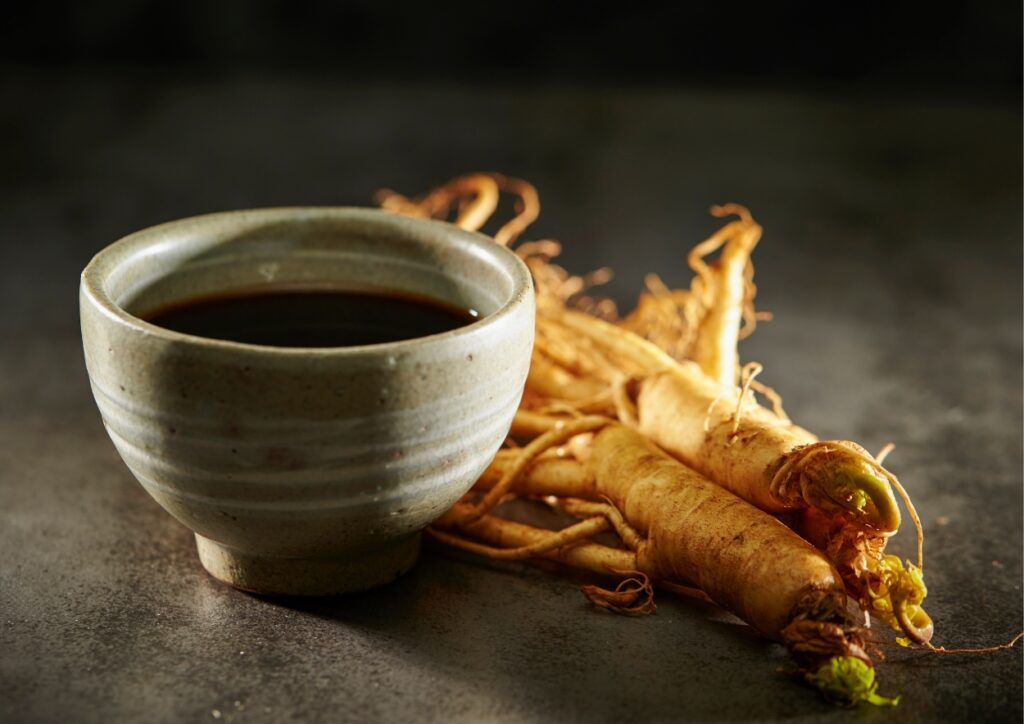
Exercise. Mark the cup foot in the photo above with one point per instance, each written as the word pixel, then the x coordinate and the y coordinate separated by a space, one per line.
pixel 308 576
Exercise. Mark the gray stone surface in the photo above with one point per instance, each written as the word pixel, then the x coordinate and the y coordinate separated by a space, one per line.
pixel 892 260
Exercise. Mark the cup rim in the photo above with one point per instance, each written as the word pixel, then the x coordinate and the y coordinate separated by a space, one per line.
pixel 102 264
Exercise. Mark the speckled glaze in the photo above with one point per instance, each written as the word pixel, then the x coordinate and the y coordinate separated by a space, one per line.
pixel 306 471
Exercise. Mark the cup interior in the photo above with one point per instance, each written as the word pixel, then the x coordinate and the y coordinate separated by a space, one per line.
pixel 350 249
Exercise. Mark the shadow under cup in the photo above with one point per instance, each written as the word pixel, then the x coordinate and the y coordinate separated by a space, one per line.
pixel 306 470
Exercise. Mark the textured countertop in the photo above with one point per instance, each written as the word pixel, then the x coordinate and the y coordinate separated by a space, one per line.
pixel 891 259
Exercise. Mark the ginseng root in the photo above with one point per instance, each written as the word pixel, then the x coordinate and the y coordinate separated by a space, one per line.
pixel 681 529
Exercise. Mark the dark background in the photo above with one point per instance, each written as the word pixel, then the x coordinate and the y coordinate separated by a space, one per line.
pixel 879 144
pixel 965 48
pixel 187 107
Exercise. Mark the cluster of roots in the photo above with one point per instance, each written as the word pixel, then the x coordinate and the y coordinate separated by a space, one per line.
pixel 582 379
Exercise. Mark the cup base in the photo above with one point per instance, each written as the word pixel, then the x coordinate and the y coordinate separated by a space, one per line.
pixel 321 576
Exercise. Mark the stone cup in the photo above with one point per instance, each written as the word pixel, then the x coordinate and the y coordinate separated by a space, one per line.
pixel 306 471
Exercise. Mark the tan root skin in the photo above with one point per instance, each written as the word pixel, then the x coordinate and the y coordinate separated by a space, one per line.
pixel 689 416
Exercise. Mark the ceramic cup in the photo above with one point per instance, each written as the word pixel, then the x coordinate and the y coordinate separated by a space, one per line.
pixel 306 470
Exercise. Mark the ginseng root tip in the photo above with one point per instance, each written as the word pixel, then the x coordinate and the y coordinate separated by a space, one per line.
pixel 856 488
pixel 846 680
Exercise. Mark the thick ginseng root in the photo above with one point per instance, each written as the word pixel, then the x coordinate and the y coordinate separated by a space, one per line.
pixel 740 445
pixel 697 532
pixel 767 461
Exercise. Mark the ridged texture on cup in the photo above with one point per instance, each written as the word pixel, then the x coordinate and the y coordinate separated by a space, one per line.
pixel 306 453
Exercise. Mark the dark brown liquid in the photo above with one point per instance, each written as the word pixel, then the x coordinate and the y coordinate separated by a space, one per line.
pixel 311 318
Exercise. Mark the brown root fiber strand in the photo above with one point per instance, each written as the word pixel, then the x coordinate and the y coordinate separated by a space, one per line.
pixel 474 196
pixel 552 541
pixel 509 534
pixel 528 423
pixel 665 317
pixel 633 355
pixel 633 595
pixel 527 208
pixel 527 455
pixel 553 381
